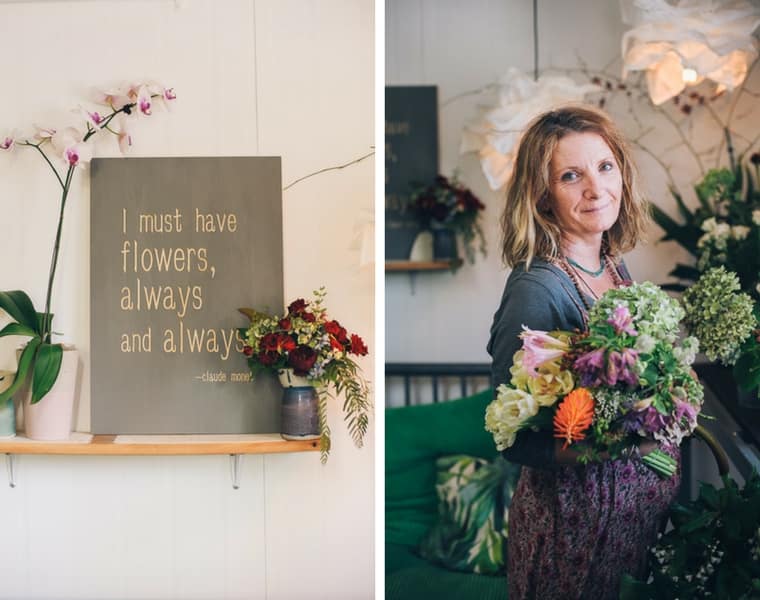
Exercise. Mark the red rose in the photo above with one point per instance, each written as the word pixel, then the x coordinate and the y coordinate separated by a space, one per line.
pixel 337 331
pixel 302 359
pixel 358 346
pixel 247 350
pixel 277 342
pixel 285 342
pixel 308 317
pixel 269 342
pixel 335 344
pixel 297 306
pixel 284 324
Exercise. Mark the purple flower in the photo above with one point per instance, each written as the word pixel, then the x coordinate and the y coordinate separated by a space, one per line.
pixel 622 321
pixel 653 420
pixel 589 365
pixel 620 367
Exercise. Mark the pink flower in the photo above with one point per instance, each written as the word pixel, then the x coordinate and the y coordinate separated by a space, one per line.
pixel 169 94
pixel 144 101
pixel 71 147
pixel 622 321
pixel 620 367
pixel 589 366
pixel 44 133
pixel 540 348
pixel 114 98
pixel 7 142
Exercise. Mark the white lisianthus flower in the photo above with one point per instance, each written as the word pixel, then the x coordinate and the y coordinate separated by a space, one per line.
pixel 739 232
pixel 507 413
pixel 645 343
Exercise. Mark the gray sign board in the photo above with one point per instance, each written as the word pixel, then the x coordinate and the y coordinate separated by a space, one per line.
pixel 177 246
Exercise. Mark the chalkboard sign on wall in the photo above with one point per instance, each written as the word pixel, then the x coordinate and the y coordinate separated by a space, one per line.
pixel 177 245
pixel 411 156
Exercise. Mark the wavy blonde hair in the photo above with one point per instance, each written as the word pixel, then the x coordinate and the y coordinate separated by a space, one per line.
pixel 529 228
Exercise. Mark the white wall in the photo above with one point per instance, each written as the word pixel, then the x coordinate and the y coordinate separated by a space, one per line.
pixel 463 46
pixel 292 78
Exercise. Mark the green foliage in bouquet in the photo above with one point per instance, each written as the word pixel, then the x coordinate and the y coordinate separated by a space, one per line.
pixel 448 203
pixel 722 231
pixel 713 550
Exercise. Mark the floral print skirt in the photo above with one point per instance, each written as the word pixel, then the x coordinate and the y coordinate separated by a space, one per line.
pixel 574 531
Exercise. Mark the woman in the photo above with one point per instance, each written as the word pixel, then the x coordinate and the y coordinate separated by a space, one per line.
pixel 572 209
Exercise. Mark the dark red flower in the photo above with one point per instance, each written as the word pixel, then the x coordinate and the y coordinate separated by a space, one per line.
pixel 284 324
pixel 277 342
pixel 302 359
pixel 308 317
pixel 268 358
pixel 358 346
pixel 297 306
pixel 247 350
pixel 337 331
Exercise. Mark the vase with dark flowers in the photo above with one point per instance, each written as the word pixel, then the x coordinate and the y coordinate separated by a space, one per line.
pixel 311 354
pixel 449 209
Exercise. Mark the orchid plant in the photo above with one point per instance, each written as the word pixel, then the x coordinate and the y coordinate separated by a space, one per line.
pixel 65 150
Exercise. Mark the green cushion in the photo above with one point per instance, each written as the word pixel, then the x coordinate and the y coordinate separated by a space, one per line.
pixel 471 532
pixel 415 436
pixel 435 583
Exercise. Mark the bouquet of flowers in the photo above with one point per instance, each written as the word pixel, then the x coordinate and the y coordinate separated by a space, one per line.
pixel 314 346
pixel 626 379
pixel 448 203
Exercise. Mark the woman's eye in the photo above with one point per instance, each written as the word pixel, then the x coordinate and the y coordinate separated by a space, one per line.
pixel 569 176
pixel 606 166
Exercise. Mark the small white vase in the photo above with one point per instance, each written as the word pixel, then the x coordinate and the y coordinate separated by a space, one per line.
pixel 51 418
pixel 289 379
pixel 422 248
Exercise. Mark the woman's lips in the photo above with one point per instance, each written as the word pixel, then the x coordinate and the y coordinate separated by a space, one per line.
pixel 594 209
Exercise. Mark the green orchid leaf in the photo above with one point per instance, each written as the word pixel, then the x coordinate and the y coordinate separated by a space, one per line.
pixel 20 308
pixel 685 272
pixel 17 329
pixel 41 322
pixel 46 370
pixel 24 364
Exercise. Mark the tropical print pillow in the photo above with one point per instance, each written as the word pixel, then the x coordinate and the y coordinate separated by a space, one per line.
pixel 473 501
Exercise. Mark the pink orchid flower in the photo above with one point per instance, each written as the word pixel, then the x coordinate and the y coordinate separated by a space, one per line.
pixel 540 348
pixel 125 139
pixel 43 133
pixel 70 146
pixel 7 142
pixel 144 101
pixel 114 98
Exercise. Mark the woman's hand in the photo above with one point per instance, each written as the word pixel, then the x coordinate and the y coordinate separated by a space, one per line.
pixel 646 446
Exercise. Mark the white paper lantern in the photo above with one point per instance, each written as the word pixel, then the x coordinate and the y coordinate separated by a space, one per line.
pixel 495 133
pixel 683 44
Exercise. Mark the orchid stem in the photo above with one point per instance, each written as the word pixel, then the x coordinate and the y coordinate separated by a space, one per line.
pixel 47 320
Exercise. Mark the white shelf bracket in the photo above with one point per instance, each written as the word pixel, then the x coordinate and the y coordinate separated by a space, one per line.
pixel 235 461
pixel 10 461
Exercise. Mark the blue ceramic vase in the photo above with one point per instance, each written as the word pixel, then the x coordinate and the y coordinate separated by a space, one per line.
pixel 300 408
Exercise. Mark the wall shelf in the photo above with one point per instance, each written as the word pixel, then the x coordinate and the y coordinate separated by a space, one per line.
pixel 235 445
pixel 401 266
pixel 149 445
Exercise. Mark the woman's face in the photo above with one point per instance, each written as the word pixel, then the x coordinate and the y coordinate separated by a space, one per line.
pixel 585 186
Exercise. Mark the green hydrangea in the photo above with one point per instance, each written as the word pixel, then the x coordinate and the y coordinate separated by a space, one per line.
pixel 719 315
pixel 655 314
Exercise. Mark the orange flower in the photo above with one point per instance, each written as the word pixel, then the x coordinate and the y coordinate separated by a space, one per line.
pixel 574 416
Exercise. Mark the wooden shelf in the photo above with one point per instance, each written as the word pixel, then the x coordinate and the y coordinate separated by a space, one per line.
pixel 408 265
pixel 151 445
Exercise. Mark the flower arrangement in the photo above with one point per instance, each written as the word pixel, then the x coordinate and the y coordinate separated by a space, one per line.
pixel 64 150
pixel 315 347
pixel 626 379
pixel 713 550
pixel 448 203
pixel 724 230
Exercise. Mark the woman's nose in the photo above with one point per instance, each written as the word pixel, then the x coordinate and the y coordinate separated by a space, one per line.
pixel 593 186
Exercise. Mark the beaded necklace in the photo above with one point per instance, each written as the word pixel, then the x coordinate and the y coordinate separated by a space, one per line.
pixel 565 265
